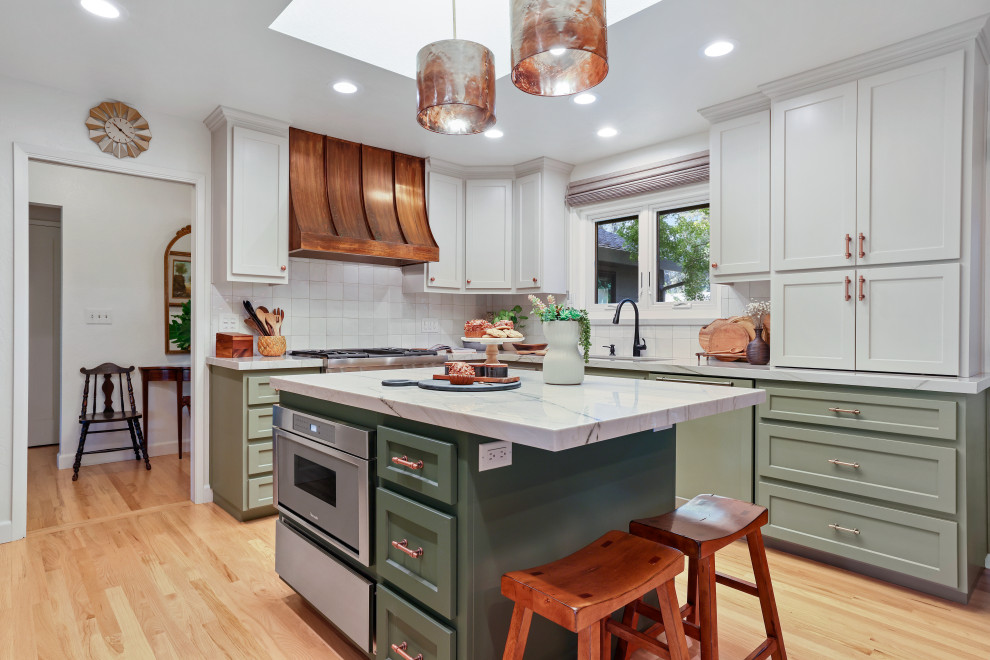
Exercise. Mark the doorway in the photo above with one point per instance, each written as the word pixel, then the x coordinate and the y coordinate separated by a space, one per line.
pixel 45 323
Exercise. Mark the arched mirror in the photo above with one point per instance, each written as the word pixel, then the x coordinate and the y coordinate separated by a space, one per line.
pixel 178 291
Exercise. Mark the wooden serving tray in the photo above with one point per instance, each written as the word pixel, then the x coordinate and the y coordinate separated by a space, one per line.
pixel 481 379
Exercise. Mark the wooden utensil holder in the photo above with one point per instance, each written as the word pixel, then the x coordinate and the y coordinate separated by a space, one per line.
pixel 271 346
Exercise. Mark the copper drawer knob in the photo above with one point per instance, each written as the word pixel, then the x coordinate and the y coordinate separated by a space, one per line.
pixel 534 280
pixel 403 545
pixel 405 462
pixel 433 279
pixel 714 265
pixel 401 650
pixel 469 281
pixel 283 269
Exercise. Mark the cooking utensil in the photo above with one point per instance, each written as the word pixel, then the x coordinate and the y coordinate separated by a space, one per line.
pixel 253 326
pixel 254 317
pixel 279 317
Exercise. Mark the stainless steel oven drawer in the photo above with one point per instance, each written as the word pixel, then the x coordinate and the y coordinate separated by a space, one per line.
pixel 344 597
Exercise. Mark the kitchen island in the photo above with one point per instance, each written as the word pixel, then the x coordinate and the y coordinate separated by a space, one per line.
pixel 584 460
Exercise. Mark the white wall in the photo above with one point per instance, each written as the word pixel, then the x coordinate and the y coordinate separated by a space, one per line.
pixel 50 118
pixel 654 153
pixel 114 232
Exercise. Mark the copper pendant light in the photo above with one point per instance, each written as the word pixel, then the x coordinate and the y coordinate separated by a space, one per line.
pixel 559 47
pixel 455 86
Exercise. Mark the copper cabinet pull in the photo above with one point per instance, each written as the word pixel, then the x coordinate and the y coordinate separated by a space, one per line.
pixel 835 461
pixel 695 382
pixel 837 528
pixel 849 240
pixel 469 281
pixel 534 280
pixel 283 268
pixel 714 265
pixel 403 545
pixel 862 281
pixel 851 411
pixel 848 282
pixel 433 279
pixel 401 650
pixel 405 462
pixel 862 239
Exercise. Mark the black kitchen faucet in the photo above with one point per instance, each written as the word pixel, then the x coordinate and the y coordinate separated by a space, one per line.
pixel 638 346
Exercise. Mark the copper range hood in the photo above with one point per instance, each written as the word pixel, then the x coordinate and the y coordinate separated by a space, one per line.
pixel 352 202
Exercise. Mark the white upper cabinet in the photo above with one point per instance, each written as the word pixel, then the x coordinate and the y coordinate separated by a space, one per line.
pixel 250 157
pixel 814 320
pixel 446 212
pixel 907 319
pixel 528 233
pixel 910 162
pixel 488 234
pixel 740 197
pixel 813 179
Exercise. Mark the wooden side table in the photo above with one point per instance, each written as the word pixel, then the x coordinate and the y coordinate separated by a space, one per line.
pixel 176 373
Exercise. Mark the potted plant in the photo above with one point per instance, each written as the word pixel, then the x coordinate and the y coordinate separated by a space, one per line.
pixel 758 350
pixel 565 328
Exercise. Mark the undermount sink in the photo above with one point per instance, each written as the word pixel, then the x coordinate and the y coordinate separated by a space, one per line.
pixel 629 358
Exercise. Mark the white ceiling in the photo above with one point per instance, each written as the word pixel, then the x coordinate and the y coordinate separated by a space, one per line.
pixel 183 57
pixel 341 26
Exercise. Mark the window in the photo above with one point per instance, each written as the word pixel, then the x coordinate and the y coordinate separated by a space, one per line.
pixel 616 260
pixel 682 255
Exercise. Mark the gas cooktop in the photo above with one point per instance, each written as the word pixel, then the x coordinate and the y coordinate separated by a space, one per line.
pixel 355 353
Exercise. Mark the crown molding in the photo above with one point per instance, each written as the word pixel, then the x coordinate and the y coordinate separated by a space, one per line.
pixel 223 116
pixel 740 107
pixel 875 61
pixel 681 171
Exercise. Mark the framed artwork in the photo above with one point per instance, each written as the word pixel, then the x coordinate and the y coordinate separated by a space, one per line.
pixel 178 281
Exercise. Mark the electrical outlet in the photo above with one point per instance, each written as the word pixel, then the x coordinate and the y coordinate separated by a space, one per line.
pixel 228 322
pixel 431 325
pixel 99 317
pixel 493 455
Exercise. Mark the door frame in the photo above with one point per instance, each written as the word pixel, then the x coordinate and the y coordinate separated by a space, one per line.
pixel 198 455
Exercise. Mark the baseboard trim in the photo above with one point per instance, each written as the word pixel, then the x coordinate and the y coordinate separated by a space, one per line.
pixel 6 531
pixel 65 461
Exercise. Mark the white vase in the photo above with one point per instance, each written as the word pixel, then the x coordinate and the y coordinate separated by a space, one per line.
pixel 563 365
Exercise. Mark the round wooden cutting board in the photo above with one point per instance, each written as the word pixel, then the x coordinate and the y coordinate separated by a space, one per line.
pixel 729 338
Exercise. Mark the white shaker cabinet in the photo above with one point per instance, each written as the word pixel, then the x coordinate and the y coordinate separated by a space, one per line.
pixel 909 166
pixel 907 319
pixel 814 320
pixel 813 179
pixel 740 197
pixel 446 212
pixel 250 197
pixel 528 231
pixel 488 234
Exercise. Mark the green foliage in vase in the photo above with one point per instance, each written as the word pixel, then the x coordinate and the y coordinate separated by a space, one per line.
pixel 551 311
pixel 180 327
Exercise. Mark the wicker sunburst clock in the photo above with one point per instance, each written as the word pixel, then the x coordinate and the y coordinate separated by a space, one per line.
pixel 118 129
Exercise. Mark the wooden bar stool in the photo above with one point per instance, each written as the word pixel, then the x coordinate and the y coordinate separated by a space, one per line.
pixel 699 529
pixel 580 592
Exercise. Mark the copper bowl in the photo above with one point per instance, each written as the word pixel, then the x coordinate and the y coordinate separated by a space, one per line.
pixel 462 380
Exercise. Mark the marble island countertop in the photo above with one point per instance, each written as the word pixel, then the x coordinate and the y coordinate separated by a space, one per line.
pixel 551 417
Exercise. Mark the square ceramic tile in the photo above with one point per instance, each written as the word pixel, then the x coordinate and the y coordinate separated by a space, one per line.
pixel 299 288
pixel 317 271
pixel 318 308
pixel 300 307
pixel 317 290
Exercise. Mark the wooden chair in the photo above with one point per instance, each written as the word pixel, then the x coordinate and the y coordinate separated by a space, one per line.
pixel 699 529
pixel 109 415
pixel 580 592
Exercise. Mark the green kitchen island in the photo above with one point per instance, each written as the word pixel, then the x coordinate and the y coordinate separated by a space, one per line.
pixel 584 459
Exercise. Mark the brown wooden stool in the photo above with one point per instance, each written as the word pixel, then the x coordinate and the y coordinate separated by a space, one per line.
pixel 699 529
pixel 580 592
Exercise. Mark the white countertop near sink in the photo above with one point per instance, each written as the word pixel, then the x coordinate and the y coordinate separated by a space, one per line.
pixel 690 367
pixel 260 362
pixel 551 417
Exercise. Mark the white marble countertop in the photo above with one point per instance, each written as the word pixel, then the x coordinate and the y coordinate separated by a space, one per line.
pixel 551 417
pixel 260 362
pixel 690 367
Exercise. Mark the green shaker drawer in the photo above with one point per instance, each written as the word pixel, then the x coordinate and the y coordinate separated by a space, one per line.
pixel 259 457
pixel 434 463
pixel 402 624
pixel 912 544
pixel 260 492
pixel 259 390
pixel 259 422
pixel 428 533
pixel 922 416
pixel 896 471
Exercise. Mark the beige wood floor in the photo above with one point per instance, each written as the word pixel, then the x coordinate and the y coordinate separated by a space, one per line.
pixel 170 579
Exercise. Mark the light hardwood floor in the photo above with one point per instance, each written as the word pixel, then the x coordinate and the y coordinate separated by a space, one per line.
pixel 178 580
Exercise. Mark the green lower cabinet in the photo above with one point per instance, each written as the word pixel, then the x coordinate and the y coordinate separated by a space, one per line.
pixel 424 563
pixel 404 627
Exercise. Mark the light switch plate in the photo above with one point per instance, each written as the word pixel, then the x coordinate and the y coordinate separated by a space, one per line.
pixel 99 317
pixel 493 455
pixel 228 323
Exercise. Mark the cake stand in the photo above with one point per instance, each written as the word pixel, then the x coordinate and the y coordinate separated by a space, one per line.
pixel 491 346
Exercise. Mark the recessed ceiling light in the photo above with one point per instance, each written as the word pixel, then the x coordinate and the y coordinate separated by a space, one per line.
pixel 344 87
pixel 719 48
pixel 493 133
pixel 607 131
pixel 585 99
pixel 557 51
pixel 101 8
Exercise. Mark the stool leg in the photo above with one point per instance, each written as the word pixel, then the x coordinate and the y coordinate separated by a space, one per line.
pixel 630 617
pixel 590 642
pixel 761 571
pixel 708 613
pixel 692 591
pixel 515 643
pixel 606 641
pixel 672 623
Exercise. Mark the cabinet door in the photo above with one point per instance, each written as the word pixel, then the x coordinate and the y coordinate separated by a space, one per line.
pixel 740 196
pixel 259 219
pixel 488 234
pixel 447 222
pixel 908 319
pixel 910 162
pixel 814 320
pixel 528 234
pixel 813 173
